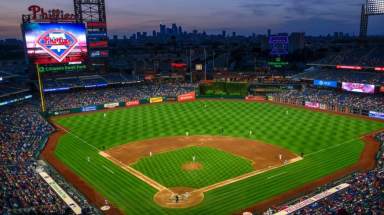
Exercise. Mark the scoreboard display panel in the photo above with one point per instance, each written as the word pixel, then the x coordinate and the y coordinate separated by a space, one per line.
pixel 55 43
pixel 375 7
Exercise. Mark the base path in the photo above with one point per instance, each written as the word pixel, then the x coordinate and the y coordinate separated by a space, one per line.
pixel 261 154
pixel 264 157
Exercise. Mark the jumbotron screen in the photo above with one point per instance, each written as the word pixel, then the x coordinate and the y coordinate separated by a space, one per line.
pixel 358 88
pixel 55 43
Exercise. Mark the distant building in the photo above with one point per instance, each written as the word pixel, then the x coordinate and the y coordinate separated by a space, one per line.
pixel 180 30
pixel 163 29
pixel 296 41
pixel 174 29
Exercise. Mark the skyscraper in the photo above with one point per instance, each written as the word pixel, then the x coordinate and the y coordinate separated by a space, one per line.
pixel 163 29
pixel 296 41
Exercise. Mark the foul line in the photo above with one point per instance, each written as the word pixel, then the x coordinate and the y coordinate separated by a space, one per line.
pixel 273 176
pixel 109 170
pixel 245 176
pixel 134 172
pixel 79 138
pixel 332 147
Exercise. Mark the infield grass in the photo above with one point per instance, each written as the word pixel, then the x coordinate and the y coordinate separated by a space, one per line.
pixel 329 143
pixel 217 165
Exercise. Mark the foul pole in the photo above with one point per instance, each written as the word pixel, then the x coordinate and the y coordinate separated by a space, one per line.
pixel 40 89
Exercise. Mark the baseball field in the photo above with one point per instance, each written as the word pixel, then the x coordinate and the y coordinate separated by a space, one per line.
pixel 206 157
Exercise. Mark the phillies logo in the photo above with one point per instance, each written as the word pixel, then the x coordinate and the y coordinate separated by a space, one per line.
pixel 57 43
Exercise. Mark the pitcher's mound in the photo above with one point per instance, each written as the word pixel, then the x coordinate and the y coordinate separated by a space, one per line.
pixel 192 166
pixel 180 197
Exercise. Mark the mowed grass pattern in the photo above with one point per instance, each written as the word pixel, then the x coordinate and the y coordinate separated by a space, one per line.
pixel 329 142
pixel 217 165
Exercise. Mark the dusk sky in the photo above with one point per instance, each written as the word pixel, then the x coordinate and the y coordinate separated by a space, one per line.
pixel 243 16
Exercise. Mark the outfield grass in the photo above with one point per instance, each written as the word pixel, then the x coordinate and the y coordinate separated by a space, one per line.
pixel 329 142
pixel 217 166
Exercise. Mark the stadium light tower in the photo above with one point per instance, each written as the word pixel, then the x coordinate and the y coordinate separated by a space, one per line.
pixel 93 14
pixel 371 8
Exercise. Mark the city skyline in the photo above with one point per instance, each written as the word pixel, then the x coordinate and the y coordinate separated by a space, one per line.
pixel 242 16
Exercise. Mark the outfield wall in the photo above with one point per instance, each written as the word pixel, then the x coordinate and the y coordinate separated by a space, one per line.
pixel 192 96
pixel 90 108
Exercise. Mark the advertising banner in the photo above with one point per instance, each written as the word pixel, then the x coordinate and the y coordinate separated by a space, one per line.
pixel 98 44
pixel 62 68
pixel 88 108
pixel 358 88
pixel 377 115
pixel 99 54
pixel 322 83
pixel 132 103
pixel 171 99
pixel 254 98
pixel 312 105
pixel 111 105
pixel 323 107
pixel 55 43
pixel 63 112
pixel 156 100
pixel 187 97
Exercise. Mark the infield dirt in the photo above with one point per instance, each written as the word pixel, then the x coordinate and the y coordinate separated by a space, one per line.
pixel 261 154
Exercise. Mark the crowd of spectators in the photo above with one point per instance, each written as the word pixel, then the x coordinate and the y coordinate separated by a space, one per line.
pixel 23 191
pixel 334 98
pixel 364 77
pixel 358 56
pixel 364 196
pixel 85 81
pixel 75 99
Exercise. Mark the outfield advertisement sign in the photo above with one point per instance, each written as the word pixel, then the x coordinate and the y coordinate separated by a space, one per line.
pixel 187 97
pixel 111 105
pixel 88 108
pixel 255 98
pixel 358 88
pixel 377 115
pixel 132 103
pixel 313 199
pixel 156 100
pixel 312 105
pixel 322 83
